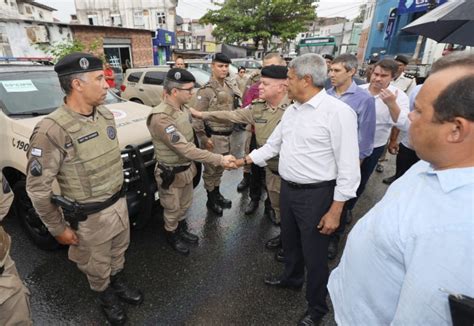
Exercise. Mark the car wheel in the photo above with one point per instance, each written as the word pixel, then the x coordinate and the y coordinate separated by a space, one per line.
pixel 136 100
pixel 30 220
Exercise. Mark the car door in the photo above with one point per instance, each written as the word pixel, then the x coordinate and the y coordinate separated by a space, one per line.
pixel 152 85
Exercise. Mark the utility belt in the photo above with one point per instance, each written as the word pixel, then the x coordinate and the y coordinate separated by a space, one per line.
pixel 209 131
pixel 168 173
pixel 323 184
pixel 75 212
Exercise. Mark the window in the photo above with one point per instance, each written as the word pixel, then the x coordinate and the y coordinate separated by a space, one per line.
pixel 134 77
pixel 116 20
pixel 28 9
pixel 154 77
pixel 161 18
pixel 138 18
pixel 92 19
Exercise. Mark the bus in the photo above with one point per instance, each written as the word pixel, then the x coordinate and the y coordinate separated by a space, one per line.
pixel 319 45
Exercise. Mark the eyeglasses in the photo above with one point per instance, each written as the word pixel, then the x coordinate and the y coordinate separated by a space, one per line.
pixel 189 90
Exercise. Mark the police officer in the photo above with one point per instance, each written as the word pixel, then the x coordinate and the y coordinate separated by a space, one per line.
pixel 219 94
pixel 265 114
pixel 170 125
pixel 14 296
pixel 77 145
pixel 402 80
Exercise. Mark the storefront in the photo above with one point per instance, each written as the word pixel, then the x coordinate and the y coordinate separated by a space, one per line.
pixel 162 43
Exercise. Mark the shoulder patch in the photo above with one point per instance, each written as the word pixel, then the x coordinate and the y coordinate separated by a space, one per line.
pixel 38 152
pixel 170 129
pixel 36 169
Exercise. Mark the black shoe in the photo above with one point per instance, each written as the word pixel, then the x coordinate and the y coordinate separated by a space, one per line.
pixel 389 180
pixel 185 235
pixel 111 307
pixel 279 283
pixel 251 207
pixel 333 247
pixel 308 320
pixel 349 216
pixel 379 168
pixel 274 243
pixel 280 256
pixel 245 183
pixel 271 215
pixel 212 203
pixel 124 292
pixel 176 243
pixel 221 200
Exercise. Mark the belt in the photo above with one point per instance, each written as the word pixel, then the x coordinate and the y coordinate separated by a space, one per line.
pixel 92 208
pixel 2 269
pixel 175 169
pixel 275 172
pixel 330 183
pixel 221 133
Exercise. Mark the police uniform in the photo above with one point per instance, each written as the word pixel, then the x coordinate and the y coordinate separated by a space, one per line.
pixel 14 296
pixel 215 96
pixel 82 153
pixel 173 139
pixel 405 82
pixel 265 119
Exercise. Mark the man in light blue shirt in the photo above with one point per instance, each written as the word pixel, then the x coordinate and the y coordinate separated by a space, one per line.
pixel 419 238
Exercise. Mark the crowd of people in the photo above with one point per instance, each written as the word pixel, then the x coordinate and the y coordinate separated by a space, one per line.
pixel 314 135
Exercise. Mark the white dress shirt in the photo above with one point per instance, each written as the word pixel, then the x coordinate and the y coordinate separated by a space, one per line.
pixel 383 119
pixel 317 141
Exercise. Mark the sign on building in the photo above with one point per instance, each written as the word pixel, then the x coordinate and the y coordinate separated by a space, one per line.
pixel 410 6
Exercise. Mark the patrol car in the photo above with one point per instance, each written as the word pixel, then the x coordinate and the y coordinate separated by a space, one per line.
pixel 31 90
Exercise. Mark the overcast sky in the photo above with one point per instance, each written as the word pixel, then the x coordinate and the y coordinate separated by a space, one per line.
pixel 197 8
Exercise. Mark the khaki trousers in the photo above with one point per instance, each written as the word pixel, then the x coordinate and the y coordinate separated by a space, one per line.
pixel 14 297
pixel 273 183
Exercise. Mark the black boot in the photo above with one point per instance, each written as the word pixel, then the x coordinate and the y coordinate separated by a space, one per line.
pixel 333 247
pixel 252 206
pixel 176 243
pixel 185 234
pixel 124 292
pixel 274 243
pixel 111 307
pixel 245 183
pixel 212 203
pixel 221 200
pixel 269 212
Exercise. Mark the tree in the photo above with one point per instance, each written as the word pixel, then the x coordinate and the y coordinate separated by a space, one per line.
pixel 259 20
pixel 61 49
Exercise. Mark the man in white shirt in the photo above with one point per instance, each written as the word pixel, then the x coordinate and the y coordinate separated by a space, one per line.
pixel 319 167
pixel 391 109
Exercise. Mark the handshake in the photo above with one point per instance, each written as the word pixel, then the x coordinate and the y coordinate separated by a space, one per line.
pixel 229 162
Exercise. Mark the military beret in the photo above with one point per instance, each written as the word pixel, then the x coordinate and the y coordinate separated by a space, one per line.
pixel 274 71
pixel 402 59
pixel 328 56
pixel 76 63
pixel 180 75
pixel 221 57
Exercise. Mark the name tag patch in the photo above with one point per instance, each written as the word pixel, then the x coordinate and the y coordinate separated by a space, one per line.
pixel 38 152
pixel 170 129
pixel 88 137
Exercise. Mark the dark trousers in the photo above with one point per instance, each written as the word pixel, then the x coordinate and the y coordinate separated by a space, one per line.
pixel 303 245
pixel 405 159
pixel 258 175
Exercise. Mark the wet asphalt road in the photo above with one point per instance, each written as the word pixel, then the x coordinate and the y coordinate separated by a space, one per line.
pixel 219 283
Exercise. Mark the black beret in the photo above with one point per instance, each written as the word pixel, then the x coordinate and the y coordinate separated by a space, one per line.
pixel 274 71
pixel 180 75
pixel 402 59
pixel 328 56
pixel 221 57
pixel 77 62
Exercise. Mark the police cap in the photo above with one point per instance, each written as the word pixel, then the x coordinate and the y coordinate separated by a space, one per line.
pixel 402 59
pixel 328 56
pixel 274 71
pixel 180 75
pixel 221 57
pixel 76 63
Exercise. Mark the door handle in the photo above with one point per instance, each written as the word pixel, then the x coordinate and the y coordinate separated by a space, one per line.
pixel 140 89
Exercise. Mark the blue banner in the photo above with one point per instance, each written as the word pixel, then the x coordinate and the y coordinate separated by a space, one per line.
pixel 409 6
pixel 392 17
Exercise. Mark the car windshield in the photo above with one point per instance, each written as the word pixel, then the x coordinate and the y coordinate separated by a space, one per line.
pixel 35 93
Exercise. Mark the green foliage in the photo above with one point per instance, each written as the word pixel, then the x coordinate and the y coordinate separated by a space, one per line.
pixel 61 49
pixel 259 20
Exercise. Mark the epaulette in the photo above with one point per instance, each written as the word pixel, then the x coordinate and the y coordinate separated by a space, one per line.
pixel 409 76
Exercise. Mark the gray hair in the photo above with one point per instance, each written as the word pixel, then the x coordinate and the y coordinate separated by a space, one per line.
pixel 169 84
pixel 312 65
pixel 349 61
pixel 66 82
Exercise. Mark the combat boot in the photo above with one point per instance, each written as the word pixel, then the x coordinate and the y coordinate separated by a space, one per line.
pixel 221 200
pixel 185 234
pixel 176 243
pixel 123 291
pixel 245 183
pixel 111 307
pixel 212 203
